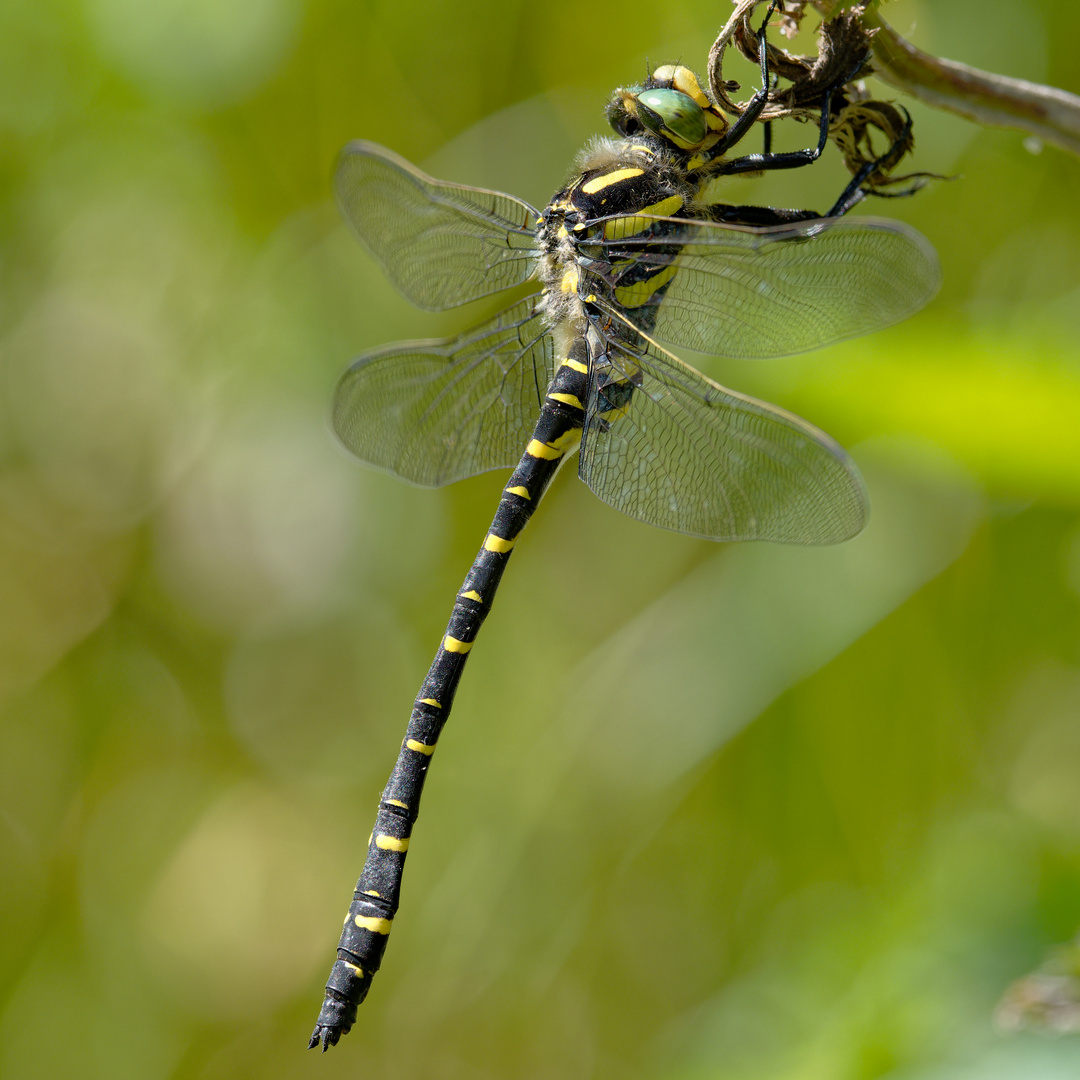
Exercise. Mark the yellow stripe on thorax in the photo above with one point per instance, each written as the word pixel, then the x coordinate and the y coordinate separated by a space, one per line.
pixel 575 365
pixel 598 183
pixel 632 296
pixel 567 399
pixel 620 228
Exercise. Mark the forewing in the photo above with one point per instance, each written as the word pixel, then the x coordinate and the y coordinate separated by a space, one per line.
pixel 687 454
pixel 433 412
pixel 755 293
pixel 441 244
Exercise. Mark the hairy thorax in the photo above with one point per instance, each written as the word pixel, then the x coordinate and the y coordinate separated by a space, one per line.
pixel 615 181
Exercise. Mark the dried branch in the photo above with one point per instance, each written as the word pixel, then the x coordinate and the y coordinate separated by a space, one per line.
pixel 828 80
pixel 981 96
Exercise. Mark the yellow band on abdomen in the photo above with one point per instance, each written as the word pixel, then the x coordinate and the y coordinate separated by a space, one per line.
pixel 498 544
pixel 375 925
pixel 567 399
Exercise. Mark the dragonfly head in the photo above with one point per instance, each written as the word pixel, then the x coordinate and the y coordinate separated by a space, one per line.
pixel 671 106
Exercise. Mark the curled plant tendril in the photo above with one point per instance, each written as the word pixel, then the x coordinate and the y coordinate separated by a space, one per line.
pixel 843 58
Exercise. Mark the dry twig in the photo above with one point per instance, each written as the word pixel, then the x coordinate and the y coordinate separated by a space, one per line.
pixel 980 96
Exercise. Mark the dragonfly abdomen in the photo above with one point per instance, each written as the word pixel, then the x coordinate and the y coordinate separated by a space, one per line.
pixel 375 900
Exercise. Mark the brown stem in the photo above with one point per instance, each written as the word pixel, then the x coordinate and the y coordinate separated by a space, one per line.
pixel 980 96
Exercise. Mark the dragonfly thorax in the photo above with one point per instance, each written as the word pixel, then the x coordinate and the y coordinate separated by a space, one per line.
pixel 622 188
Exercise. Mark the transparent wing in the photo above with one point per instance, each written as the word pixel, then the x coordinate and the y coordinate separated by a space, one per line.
pixel 686 454
pixel 433 412
pixel 752 293
pixel 441 244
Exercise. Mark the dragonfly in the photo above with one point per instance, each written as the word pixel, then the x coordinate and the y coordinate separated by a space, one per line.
pixel 631 259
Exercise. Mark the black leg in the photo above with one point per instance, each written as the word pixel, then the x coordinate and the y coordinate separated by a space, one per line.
pixel 854 194
pixel 757 102
pixel 793 159
pixel 767 160
pixel 758 216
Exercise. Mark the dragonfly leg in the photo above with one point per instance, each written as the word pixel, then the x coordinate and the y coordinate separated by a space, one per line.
pixel 758 102
pixel 854 193
pixel 760 216
pixel 793 159
pixel 767 160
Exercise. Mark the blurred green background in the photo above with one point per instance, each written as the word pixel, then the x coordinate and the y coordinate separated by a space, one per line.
pixel 701 811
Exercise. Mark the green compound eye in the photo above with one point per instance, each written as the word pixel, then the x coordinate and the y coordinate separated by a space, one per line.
pixel 681 115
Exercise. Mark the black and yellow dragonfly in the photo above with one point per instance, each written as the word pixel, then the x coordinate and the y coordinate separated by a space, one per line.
pixel 631 258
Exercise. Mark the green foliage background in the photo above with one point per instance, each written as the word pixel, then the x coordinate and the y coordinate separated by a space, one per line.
pixel 732 812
